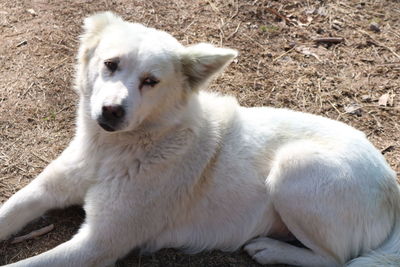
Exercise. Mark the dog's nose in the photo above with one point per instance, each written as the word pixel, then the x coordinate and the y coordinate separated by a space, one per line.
pixel 113 112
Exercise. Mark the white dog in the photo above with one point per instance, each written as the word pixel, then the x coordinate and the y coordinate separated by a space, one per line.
pixel 157 164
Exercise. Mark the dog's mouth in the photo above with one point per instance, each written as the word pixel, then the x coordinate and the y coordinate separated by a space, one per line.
pixel 107 127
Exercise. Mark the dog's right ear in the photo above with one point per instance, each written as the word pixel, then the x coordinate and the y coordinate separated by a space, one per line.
pixel 92 29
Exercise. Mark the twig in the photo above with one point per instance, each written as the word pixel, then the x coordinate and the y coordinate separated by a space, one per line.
pixel 188 26
pixel 378 123
pixel 279 15
pixel 22 43
pixel 15 34
pixel 381 107
pixel 395 33
pixel 33 234
pixel 281 55
pixel 64 108
pixel 233 33
pixel 380 44
pixel 27 90
pixel 337 110
pixel 236 12
pixel 387 149
pixel 41 158
pixel 221 32
pixel 58 65
pixel 213 6
pixel 19 168
pixel 329 40
pixel 258 67
pixel 255 41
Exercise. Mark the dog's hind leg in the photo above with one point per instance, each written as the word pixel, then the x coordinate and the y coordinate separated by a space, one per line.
pixel 329 200
pixel 287 183
pixel 57 186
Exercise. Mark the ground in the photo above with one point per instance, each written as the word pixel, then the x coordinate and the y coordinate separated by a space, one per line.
pixel 281 63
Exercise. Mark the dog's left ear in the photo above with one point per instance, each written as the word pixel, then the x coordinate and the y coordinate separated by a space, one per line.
pixel 203 61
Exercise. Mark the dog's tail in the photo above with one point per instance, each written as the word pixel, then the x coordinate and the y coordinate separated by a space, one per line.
pixel 388 253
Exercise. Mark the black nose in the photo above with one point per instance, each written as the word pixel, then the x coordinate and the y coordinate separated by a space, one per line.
pixel 112 113
pixel 111 117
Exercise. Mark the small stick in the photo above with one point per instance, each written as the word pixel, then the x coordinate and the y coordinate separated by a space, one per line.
pixel 58 65
pixel 387 149
pixel 41 158
pixel 330 40
pixel 281 55
pixel 380 44
pixel 233 33
pixel 337 110
pixel 279 15
pixel 27 90
pixel 22 43
pixel 188 26
pixel 255 41
pixel 213 6
pixel 236 12
pixel 14 34
pixel 33 234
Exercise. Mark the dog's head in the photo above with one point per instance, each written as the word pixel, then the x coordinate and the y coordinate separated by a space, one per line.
pixel 128 73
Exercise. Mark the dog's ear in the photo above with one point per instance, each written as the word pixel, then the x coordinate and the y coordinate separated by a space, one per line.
pixel 95 24
pixel 92 28
pixel 202 61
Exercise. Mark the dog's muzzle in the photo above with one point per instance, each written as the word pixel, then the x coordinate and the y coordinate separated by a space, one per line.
pixel 111 117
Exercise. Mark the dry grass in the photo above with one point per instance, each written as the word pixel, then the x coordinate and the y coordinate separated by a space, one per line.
pixel 279 65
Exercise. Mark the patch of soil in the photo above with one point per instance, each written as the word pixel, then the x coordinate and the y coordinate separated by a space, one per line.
pixel 356 80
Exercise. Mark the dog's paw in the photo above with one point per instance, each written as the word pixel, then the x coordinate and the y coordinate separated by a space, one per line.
pixel 264 250
pixel 3 235
pixel 4 228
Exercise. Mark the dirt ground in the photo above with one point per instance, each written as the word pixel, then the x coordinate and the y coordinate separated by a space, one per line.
pixel 283 62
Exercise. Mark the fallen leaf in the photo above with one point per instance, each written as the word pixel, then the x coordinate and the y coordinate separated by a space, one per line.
pixel 366 98
pixel 31 11
pixel 383 100
pixel 353 109
pixel 307 51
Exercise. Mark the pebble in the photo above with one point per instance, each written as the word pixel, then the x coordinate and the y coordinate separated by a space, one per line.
pixel 374 27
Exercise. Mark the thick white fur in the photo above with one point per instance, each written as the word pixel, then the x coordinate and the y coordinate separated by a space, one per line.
pixel 194 170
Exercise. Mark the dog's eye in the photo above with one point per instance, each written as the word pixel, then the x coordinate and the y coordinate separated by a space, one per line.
pixel 149 82
pixel 111 65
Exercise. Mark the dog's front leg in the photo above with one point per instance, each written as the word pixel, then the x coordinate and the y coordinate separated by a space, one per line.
pixel 119 217
pixel 59 185
pixel 90 247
